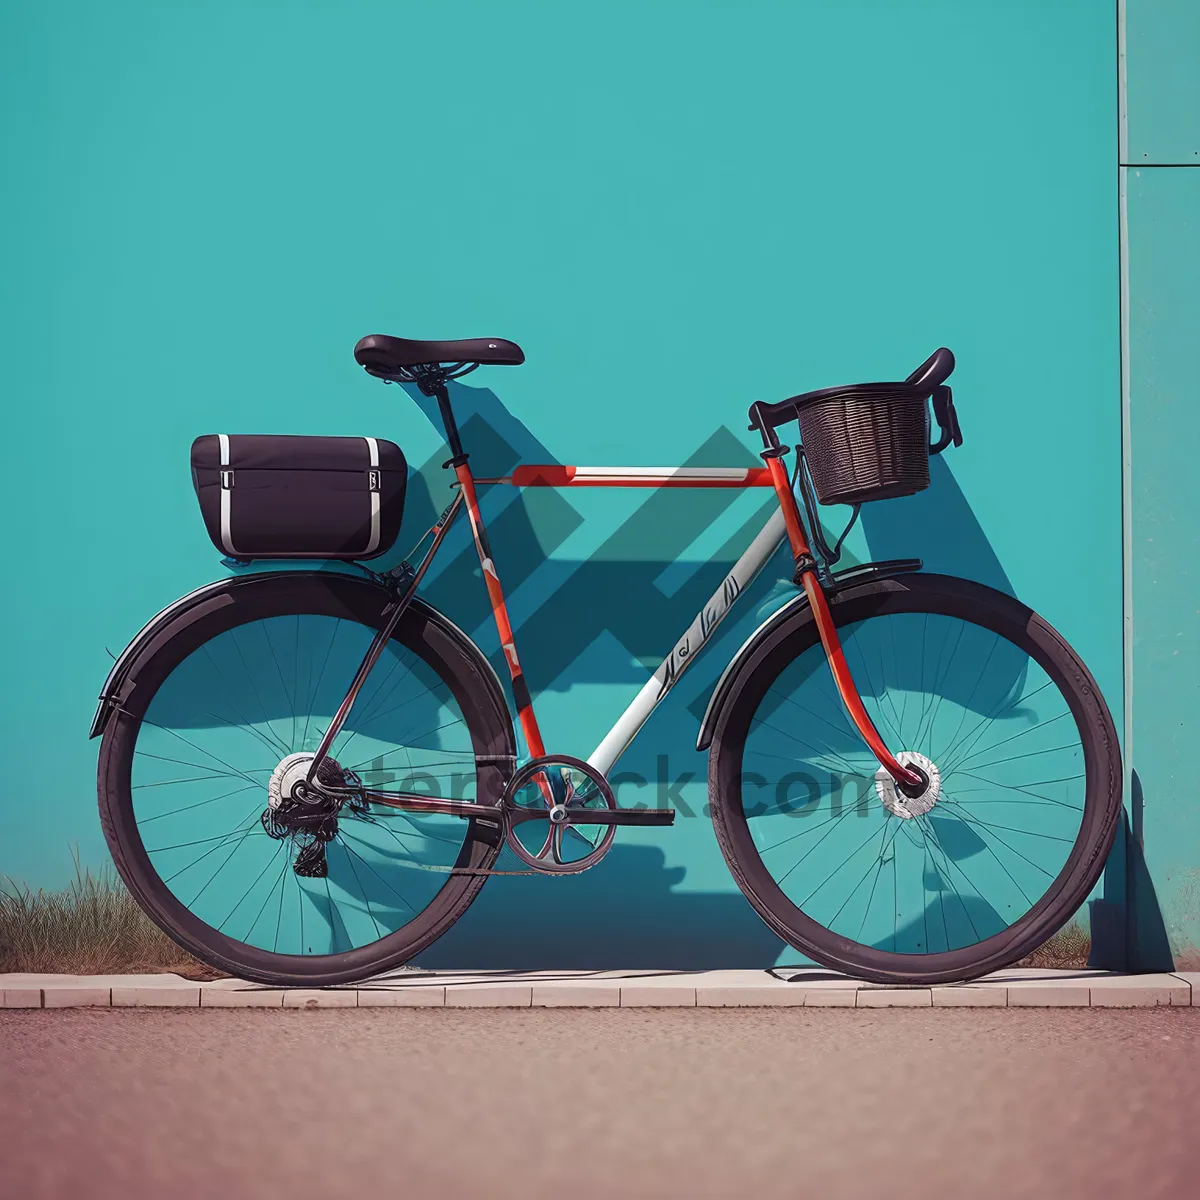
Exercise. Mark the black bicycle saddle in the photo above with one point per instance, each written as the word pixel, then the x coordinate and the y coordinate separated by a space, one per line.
pixel 382 355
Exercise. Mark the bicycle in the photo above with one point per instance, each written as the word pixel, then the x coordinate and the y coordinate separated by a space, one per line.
pixel 248 728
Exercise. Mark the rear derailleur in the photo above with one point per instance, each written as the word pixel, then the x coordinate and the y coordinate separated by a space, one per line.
pixel 307 810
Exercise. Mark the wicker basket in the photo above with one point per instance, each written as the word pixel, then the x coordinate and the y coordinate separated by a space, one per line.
pixel 869 442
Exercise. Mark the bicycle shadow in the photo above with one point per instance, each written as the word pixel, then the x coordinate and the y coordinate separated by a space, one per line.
pixel 631 586
pixel 626 913
pixel 939 527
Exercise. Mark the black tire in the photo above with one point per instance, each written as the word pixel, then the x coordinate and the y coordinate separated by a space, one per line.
pixel 973 605
pixel 433 640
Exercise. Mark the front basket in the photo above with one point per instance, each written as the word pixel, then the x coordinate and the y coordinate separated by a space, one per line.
pixel 866 443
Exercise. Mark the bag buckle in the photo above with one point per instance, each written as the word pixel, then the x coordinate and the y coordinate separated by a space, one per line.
pixel 226 480
pixel 373 481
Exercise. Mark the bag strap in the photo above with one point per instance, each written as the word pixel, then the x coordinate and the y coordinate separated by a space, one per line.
pixel 373 484
pixel 226 497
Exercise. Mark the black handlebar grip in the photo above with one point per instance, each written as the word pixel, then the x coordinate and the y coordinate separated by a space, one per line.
pixel 934 371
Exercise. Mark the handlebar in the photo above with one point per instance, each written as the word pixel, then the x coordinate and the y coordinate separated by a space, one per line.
pixel 928 380
pixel 933 372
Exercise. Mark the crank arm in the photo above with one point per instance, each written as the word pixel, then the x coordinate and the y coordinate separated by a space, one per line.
pixel 600 816
pixel 623 816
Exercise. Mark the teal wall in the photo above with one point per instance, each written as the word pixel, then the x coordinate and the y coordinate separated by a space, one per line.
pixel 1161 186
pixel 675 208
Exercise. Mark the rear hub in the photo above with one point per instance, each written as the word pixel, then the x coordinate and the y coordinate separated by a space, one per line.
pixel 306 810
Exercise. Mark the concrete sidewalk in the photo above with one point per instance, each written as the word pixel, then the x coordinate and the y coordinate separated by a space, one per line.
pixel 812 987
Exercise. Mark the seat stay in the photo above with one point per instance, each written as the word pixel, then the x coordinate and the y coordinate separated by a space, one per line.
pixel 383 636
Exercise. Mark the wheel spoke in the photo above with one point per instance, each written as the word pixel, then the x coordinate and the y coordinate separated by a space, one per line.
pixel 949 862
pixel 1013 757
pixel 350 850
pixel 199 804
pixel 227 691
pixel 242 899
pixel 257 695
pixel 977 731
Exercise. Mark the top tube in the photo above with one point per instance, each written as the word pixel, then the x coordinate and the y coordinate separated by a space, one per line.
pixel 561 475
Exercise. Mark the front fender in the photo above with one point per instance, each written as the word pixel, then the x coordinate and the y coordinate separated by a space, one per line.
pixel 842 580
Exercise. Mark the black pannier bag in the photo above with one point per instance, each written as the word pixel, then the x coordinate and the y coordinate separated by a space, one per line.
pixel 268 496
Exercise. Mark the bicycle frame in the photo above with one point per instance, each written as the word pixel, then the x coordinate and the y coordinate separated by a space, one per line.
pixel 785 523
pixel 753 559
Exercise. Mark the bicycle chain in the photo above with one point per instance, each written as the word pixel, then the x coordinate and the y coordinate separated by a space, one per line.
pixel 480 871
pixel 474 870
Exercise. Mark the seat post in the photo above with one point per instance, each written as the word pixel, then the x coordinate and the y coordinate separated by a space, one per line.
pixel 452 438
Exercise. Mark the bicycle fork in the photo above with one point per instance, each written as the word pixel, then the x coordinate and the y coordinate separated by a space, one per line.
pixel 806 576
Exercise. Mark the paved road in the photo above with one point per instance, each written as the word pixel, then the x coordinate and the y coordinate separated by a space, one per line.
pixel 590 1103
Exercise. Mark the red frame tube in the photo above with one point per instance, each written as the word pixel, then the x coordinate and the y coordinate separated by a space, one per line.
pixel 561 475
pixel 801 551
pixel 524 702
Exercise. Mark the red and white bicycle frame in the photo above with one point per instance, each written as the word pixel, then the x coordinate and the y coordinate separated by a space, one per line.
pixel 784 523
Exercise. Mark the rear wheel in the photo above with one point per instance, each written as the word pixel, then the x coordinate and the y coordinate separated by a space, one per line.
pixel 229 707
pixel 996 853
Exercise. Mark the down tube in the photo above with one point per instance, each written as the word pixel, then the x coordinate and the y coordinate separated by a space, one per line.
pixel 673 666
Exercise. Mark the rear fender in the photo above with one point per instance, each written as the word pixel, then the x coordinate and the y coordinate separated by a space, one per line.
pixel 122 678
pixel 182 612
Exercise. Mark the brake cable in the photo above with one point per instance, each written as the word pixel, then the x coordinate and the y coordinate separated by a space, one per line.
pixel 800 475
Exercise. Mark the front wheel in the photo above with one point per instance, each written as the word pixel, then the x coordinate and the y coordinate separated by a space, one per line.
pixel 1005 843
pixel 225 711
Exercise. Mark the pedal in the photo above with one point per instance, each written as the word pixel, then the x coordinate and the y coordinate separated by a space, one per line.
pixel 658 816
pixel 655 816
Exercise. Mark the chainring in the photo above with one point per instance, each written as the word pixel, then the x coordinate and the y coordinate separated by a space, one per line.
pixel 558 784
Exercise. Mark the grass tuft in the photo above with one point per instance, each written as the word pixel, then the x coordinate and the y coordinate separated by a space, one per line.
pixel 91 927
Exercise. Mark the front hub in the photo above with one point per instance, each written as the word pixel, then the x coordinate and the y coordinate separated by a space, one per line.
pixel 901 802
